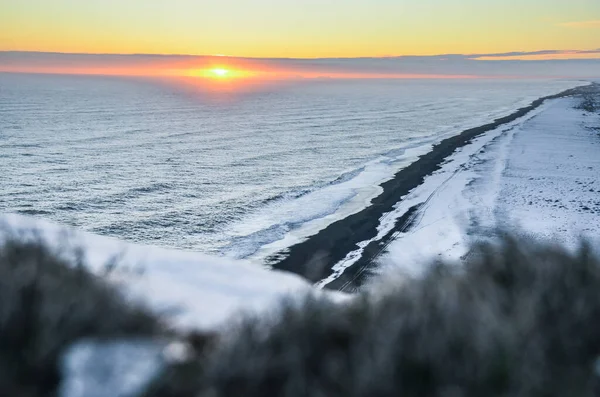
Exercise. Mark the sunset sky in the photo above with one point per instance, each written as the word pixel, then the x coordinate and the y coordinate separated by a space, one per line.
pixel 526 29
pixel 299 28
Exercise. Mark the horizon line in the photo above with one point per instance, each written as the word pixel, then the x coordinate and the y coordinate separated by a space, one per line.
pixel 502 56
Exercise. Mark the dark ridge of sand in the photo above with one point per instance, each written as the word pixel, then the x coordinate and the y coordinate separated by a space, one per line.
pixel 314 257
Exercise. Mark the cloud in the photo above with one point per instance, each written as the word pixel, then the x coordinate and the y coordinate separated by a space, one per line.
pixel 518 53
pixel 581 24
pixel 538 55
pixel 556 63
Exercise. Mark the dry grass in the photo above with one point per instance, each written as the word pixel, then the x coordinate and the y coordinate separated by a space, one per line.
pixel 519 319
pixel 46 303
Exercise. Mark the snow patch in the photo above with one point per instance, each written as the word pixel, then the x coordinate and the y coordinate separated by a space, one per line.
pixel 111 368
pixel 195 290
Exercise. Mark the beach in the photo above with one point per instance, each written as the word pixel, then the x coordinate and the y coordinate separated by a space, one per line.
pixel 341 255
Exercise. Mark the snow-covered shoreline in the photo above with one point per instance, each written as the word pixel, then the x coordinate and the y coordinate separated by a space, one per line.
pixel 350 245
pixel 540 176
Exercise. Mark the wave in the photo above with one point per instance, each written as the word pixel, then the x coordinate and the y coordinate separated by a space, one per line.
pixel 289 218
pixel 321 204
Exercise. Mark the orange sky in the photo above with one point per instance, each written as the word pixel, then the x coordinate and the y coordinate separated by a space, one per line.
pixel 299 29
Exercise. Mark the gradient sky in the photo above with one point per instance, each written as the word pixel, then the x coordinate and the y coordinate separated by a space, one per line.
pixel 299 28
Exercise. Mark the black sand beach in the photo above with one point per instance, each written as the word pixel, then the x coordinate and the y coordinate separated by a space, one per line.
pixel 314 257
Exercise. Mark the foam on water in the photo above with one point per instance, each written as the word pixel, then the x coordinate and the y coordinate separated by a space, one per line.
pixel 242 174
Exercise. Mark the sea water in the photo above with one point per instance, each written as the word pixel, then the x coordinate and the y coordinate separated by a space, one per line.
pixel 224 169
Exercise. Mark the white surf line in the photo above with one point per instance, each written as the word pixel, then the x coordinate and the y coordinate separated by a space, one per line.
pixel 432 183
pixel 417 214
pixel 362 199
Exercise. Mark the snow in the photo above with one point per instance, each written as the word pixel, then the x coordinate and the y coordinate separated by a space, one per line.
pixel 539 175
pixel 195 290
pixel 111 368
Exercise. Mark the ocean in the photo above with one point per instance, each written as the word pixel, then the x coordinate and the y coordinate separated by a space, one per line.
pixel 230 169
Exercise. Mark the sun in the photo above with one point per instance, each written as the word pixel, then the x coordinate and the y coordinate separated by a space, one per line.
pixel 219 72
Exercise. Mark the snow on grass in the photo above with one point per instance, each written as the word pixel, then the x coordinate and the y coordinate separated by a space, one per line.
pixel 197 290
pixel 551 182
pixel 111 368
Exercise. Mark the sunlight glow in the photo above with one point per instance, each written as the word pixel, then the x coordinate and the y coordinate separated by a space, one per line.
pixel 220 72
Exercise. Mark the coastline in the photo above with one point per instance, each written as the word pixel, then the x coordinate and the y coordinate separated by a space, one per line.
pixel 315 257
